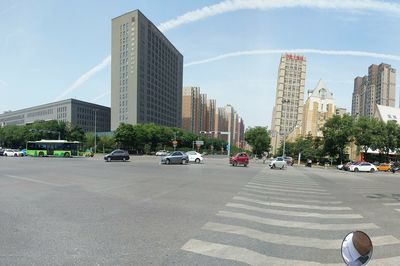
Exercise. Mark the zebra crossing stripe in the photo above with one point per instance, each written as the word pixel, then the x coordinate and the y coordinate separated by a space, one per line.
pixel 289 199
pixel 296 224
pixel 240 254
pixel 285 194
pixel 287 205
pixel 392 204
pixel 286 187
pixel 291 240
pixel 296 213
pixel 286 182
pixel 289 190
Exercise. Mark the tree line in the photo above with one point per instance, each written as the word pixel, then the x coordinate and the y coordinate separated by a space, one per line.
pixel 340 131
pixel 140 139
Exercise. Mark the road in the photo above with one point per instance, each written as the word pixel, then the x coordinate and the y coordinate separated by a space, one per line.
pixel 83 211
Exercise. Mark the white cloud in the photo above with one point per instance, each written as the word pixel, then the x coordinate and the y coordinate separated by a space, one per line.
pixel 106 61
pixel 104 94
pixel 235 5
pixel 299 51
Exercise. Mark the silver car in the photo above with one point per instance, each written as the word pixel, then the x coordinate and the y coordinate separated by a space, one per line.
pixel 278 162
pixel 176 157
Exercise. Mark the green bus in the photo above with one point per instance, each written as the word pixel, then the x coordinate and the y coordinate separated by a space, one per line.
pixel 57 148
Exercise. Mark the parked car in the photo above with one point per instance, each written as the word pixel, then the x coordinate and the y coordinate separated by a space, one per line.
pixel 346 167
pixel 176 157
pixel 117 155
pixel 240 158
pixel 288 160
pixel 363 167
pixel 194 156
pixel 384 167
pixel 161 153
pixel 13 153
pixel 278 162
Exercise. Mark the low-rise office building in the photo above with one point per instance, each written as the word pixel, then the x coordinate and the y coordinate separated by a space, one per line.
pixel 78 113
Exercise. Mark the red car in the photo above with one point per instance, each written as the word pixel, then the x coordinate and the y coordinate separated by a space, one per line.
pixel 240 158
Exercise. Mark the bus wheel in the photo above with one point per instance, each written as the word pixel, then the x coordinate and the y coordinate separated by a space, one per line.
pixel 41 154
pixel 66 155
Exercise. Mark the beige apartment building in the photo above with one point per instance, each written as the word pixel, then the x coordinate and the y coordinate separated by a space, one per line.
pixel 146 74
pixel 191 109
pixel 289 98
pixel 378 88
pixel 319 107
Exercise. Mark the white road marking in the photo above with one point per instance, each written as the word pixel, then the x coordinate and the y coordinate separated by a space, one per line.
pixel 286 187
pixel 289 190
pixel 283 182
pixel 292 240
pixel 296 213
pixel 392 204
pixel 240 254
pixel 288 199
pixel 287 205
pixel 34 181
pixel 286 194
pixel 296 224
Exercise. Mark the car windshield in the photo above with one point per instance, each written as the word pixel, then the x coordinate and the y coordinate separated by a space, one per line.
pixel 217 132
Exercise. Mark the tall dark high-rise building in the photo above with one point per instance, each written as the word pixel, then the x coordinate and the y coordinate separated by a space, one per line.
pixel 146 74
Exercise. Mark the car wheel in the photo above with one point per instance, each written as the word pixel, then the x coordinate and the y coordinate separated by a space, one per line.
pixel 235 163
pixel 197 160
pixel 183 161
pixel 41 154
pixel 356 170
pixel 273 166
pixel 66 155
pixel 124 159
pixel 167 161
pixel 372 170
pixel 108 159
pixel 245 165
pixel 15 155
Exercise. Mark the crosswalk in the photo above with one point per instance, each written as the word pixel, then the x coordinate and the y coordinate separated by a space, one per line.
pixel 281 220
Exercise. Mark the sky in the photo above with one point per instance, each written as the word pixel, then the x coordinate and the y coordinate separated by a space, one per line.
pixel 52 49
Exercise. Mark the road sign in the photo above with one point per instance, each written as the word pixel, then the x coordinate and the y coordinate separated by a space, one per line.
pixel 174 143
pixel 199 142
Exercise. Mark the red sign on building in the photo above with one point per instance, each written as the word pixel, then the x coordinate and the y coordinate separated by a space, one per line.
pixel 295 57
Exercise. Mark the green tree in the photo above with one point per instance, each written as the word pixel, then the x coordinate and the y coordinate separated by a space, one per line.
pixel 125 136
pixel 338 133
pixel 258 138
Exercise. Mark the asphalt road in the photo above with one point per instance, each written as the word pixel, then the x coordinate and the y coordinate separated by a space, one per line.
pixel 83 211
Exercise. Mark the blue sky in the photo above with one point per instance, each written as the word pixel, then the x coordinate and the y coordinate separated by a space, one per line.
pixel 47 45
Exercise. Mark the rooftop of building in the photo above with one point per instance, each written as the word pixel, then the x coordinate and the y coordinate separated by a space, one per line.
pixel 387 113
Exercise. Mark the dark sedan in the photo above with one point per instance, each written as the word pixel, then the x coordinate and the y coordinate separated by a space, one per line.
pixel 117 155
pixel 176 157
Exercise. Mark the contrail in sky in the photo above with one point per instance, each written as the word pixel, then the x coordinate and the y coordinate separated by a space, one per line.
pixel 106 61
pixel 300 51
pixel 104 94
pixel 236 5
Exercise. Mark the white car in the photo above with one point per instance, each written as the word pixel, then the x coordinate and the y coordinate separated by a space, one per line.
pixel 278 162
pixel 13 153
pixel 363 167
pixel 194 157
pixel 161 153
